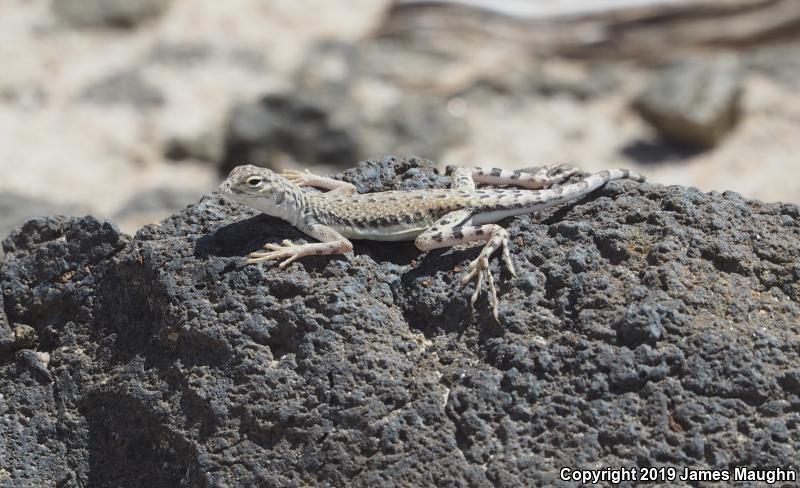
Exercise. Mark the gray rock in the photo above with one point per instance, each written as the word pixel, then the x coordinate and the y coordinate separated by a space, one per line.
pixel 286 125
pixel 25 336
pixel 7 336
pixel 171 364
pixel 694 102
pixel 108 13
pixel 127 87
pixel 339 111
pixel 15 209
pixel 208 146
pixel 317 128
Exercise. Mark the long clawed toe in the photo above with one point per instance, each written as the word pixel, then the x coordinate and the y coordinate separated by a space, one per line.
pixel 479 269
pixel 286 249
pixel 283 245
pixel 299 178
pixel 506 257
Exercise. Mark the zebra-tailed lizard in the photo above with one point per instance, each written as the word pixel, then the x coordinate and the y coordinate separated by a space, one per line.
pixel 432 218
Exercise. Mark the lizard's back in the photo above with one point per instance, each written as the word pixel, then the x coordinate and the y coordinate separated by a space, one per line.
pixel 391 215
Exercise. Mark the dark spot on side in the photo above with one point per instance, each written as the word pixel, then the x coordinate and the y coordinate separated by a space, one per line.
pixel 479 231
pixel 485 196
pixel 458 234
pixel 443 195
pixel 515 175
pixel 437 237
pixel 496 172
pixel 318 251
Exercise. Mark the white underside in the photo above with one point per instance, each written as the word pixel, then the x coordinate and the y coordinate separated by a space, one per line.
pixel 496 216
pixel 406 233
pixel 393 233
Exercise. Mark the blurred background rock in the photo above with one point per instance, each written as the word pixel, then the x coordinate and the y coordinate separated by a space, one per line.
pixel 133 109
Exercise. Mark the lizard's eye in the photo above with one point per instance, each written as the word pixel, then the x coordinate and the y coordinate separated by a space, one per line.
pixel 253 181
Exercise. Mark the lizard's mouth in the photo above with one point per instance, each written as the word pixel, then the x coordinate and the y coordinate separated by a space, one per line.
pixel 228 190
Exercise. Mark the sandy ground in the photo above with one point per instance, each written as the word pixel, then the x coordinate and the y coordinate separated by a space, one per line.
pixel 759 159
pixel 57 147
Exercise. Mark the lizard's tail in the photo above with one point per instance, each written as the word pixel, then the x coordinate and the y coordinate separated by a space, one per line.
pixel 518 202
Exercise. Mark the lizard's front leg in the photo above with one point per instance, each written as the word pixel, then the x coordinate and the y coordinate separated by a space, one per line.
pixel 332 243
pixel 449 231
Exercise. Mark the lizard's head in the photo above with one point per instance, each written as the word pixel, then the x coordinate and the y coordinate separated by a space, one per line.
pixel 255 187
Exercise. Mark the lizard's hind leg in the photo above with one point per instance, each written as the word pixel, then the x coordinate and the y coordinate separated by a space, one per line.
pixel 448 232
pixel 544 177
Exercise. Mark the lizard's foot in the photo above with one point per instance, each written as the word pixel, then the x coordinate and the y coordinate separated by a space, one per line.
pixel 307 178
pixel 479 269
pixel 287 249
pixel 299 178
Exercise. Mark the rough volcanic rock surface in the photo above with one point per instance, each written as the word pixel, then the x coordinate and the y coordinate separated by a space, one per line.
pixel 648 325
pixel 16 209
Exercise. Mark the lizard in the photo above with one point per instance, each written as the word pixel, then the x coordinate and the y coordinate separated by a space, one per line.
pixel 431 218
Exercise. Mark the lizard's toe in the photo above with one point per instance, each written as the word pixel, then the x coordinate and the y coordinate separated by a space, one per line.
pixel 506 256
pixel 299 178
pixel 286 243
pixel 480 271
